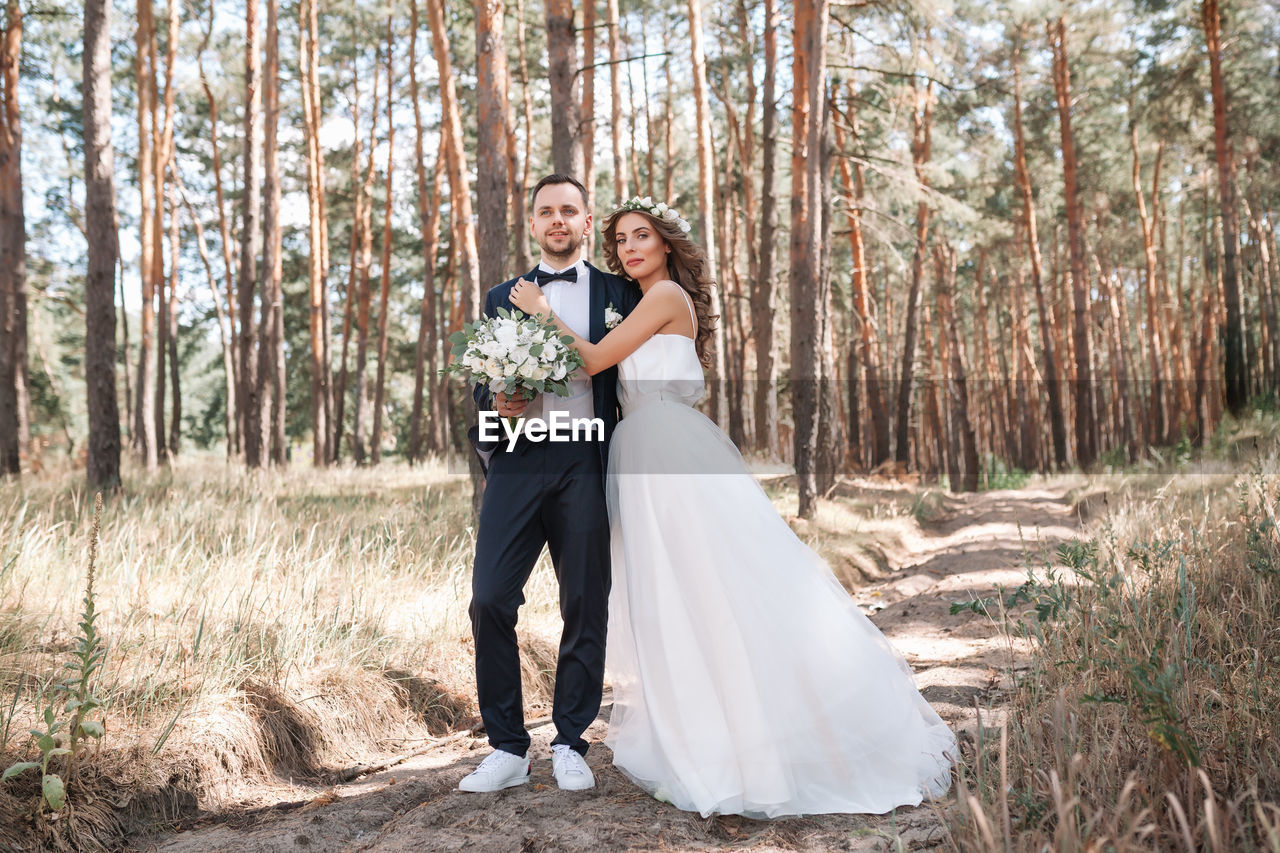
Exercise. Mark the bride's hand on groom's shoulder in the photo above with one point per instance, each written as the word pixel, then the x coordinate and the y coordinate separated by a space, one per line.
pixel 528 297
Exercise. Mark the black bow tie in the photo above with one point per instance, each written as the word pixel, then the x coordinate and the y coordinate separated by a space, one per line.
pixel 543 276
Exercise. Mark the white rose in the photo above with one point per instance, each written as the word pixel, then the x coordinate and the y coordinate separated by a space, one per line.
pixel 647 201
pixel 505 333
pixel 670 215
pixel 526 370
pixel 559 372
pixel 493 368
pixel 540 372
pixel 662 207
pixel 493 349
pixel 519 354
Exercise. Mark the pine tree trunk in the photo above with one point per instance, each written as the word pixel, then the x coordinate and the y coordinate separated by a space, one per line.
pixel 1159 398
pixel 854 185
pixel 162 149
pixel 808 107
pixel 1233 338
pixel 353 267
pixel 562 57
pixel 144 427
pixel 493 184
pixel 103 459
pixel 248 400
pixel 384 272
pixel 588 110
pixel 1086 422
pixel 271 365
pixel 317 265
pixel 616 70
pixel 1053 386
pixel 13 253
pixel 922 117
pixel 175 379
pixel 364 264
pixel 224 231
pixel 763 284
pixel 957 383
pixel 705 217
pixel 425 361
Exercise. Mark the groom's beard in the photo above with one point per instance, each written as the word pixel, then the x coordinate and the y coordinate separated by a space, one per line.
pixel 562 258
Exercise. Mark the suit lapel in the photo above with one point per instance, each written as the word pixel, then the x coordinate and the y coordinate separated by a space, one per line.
pixel 598 298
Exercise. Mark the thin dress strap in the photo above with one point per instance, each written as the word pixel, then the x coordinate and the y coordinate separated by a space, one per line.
pixel 693 315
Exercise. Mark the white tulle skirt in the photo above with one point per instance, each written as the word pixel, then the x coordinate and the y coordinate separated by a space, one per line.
pixel 745 679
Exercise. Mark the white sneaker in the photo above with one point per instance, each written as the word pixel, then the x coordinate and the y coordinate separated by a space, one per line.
pixel 499 770
pixel 570 769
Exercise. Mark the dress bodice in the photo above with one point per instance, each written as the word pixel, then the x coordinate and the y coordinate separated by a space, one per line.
pixel 664 368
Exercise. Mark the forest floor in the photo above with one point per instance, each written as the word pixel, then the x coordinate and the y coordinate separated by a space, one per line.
pixel 961 548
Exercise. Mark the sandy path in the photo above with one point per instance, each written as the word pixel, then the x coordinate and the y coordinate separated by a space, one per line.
pixel 981 541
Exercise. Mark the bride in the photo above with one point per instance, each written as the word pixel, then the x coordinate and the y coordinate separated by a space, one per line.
pixel 745 679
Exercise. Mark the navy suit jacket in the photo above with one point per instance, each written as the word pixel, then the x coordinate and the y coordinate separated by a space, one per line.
pixel 606 289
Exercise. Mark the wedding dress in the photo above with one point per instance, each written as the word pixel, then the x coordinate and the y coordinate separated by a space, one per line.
pixel 745 679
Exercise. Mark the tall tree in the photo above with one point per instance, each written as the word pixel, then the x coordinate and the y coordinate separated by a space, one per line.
pixel 1053 388
pixel 1233 334
pixel 562 59
pixel 271 367
pixel 1086 422
pixel 808 106
pixel 13 252
pixel 428 195
pixel 493 181
pixel 384 271
pixel 144 420
pixel 248 401
pixel 706 214
pixel 1150 223
pixel 103 460
pixel 616 70
pixel 921 145
pixel 764 287
pixel 317 232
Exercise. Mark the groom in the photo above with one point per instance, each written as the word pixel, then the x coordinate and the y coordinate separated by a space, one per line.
pixel 548 493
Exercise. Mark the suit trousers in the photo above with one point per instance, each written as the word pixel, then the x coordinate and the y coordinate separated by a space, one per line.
pixel 548 493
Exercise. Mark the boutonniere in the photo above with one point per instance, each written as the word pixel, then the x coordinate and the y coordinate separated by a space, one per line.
pixel 611 316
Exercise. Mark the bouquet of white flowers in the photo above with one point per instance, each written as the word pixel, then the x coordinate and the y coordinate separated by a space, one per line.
pixel 515 354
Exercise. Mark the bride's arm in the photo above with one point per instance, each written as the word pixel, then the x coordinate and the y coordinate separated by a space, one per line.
pixel 657 308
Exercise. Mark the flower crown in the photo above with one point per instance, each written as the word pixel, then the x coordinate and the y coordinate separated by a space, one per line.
pixel 661 210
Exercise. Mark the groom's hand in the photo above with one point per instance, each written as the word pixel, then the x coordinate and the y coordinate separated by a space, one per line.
pixel 511 407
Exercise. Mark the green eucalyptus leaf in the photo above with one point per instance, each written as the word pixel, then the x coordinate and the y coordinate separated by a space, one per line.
pixel 93 729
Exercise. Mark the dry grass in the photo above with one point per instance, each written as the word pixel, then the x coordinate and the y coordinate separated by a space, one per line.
pixel 264 627
pixel 1148 719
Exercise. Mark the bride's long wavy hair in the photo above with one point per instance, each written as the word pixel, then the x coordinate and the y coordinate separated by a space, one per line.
pixel 687 266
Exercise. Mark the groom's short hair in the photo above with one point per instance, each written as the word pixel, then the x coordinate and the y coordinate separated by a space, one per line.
pixel 558 179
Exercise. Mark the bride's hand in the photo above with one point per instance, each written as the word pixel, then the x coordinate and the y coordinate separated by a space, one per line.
pixel 528 297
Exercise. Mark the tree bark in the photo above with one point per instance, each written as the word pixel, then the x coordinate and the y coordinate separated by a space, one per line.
pixel 922 118
pixel 364 264
pixel 317 228
pixel 1233 334
pixel 566 123
pixel 1158 404
pixel 616 69
pixel 144 428
pixel 425 361
pixel 705 218
pixel 868 352
pixel 1057 419
pixel 13 253
pixel 1086 421
pixel 103 459
pixel 493 182
pixel 384 273
pixel 271 365
pixel 588 112
pixel 248 400
pixel 763 284
pixel 224 231
pixel 957 383
pixel 808 107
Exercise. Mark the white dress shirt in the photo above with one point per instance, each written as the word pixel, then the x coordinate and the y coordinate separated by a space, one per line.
pixel 571 301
